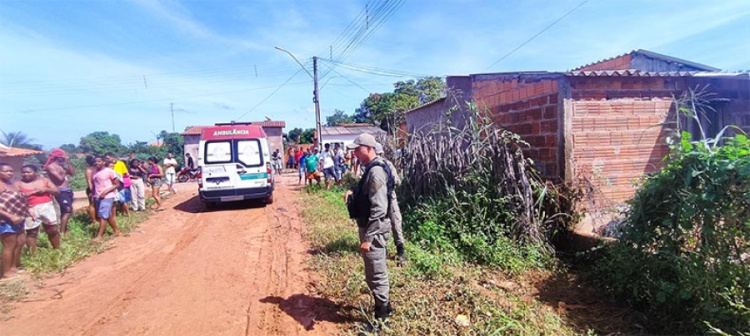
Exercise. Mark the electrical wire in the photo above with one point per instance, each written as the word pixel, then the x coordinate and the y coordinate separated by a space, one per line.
pixel 537 34
pixel 142 101
pixel 347 78
pixel 270 95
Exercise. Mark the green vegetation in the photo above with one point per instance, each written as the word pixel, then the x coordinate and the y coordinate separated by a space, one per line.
pixel 683 256
pixel 75 246
pixel 430 292
pixel 471 192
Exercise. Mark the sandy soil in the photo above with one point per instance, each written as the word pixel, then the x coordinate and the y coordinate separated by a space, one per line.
pixel 236 270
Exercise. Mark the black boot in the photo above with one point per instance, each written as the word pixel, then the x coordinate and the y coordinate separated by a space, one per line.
pixel 381 320
pixel 383 312
pixel 400 255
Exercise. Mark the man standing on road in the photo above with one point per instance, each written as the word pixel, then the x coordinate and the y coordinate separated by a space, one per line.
pixel 338 163
pixel 105 187
pixel 394 212
pixel 189 162
pixel 369 205
pixel 124 196
pixel 311 164
pixel 276 159
pixel 329 167
pixel 58 168
pixel 170 164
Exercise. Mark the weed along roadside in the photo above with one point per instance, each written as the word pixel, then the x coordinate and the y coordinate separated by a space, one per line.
pixel 75 246
pixel 441 292
pixel 478 223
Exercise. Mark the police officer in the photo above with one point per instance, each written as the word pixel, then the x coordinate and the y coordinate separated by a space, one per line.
pixel 369 205
pixel 395 212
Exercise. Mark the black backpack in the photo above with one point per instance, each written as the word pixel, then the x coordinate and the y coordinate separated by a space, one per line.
pixel 358 204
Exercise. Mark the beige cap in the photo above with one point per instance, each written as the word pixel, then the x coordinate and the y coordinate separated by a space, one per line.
pixel 379 148
pixel 363 139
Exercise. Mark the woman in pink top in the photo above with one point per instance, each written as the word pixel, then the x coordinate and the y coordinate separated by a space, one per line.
pixel 105 186
pixel 155 175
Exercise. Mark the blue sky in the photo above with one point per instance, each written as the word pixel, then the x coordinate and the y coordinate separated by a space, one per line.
pixel 68 68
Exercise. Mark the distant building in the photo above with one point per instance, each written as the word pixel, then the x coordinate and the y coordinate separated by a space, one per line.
pixel 344 134
pixel 274 131
pixel 607 120
pixel 15 157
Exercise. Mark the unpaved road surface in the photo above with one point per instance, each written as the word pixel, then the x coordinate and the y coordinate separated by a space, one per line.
pixel 237 270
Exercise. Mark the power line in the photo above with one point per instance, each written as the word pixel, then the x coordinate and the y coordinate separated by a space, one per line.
pixel 537 34
pixel 347 78
pixel 139 102
pixel 379 71
pixel 366 28
pixel 270 95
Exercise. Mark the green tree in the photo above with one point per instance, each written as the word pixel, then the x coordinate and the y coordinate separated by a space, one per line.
pixel 174 143
pixel 100 143
pixel 307 136
pixel 294 134
pixel 387 109
pixel 19 140
pixel 338 117
pixel 69 148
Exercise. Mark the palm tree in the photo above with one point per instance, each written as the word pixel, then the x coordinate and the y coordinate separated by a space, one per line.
pixel 18 140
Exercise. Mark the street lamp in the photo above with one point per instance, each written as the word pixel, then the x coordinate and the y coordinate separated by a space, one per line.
pixel 316 99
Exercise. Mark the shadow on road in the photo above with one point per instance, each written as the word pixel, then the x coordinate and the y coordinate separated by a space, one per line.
pixel 306 310
pixel 194 205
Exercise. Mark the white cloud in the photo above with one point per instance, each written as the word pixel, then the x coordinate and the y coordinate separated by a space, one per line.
pixel 181 19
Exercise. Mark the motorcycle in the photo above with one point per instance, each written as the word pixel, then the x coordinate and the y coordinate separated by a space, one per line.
pixel 187 175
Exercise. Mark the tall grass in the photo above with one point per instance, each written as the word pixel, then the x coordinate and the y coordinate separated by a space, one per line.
pixel 428 293
pixel 472 191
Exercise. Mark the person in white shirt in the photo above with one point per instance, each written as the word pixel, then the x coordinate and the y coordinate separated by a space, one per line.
pixel 169 173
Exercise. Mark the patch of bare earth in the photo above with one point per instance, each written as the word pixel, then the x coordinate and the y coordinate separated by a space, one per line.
pixel 237 270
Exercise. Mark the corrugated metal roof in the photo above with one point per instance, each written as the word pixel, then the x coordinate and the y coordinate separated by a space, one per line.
pixel 425 105
pixel 357 130
pixel 654 55
pixel 638 73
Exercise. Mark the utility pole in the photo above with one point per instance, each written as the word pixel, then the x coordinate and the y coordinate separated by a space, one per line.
pixel 316 100
pixel 171 108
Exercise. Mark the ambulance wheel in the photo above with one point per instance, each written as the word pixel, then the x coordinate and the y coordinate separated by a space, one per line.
pixel 269 199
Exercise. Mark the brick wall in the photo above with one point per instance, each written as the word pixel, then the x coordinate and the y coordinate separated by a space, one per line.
pixel 618 134
pixel 528 106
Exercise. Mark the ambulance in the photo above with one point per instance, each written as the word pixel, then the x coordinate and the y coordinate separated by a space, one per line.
pixel 234 163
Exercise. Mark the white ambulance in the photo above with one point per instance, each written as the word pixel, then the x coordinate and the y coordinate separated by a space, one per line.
pixel 234 164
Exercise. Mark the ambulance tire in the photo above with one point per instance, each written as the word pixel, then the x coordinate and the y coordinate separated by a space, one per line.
pixel 269 199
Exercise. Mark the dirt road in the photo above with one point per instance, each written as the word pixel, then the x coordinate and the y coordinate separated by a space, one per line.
pixel 237 270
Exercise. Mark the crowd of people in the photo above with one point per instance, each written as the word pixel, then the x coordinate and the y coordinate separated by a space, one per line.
pixel 327 166
pixel 28 204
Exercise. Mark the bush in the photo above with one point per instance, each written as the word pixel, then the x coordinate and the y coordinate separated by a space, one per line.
pixel 471 191
pixel 683 256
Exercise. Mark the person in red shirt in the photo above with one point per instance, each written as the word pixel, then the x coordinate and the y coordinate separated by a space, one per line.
pixel 39 191
pixel 297 157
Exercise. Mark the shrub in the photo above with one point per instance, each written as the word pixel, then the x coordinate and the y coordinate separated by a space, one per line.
pixel 471 191
pixel 683 255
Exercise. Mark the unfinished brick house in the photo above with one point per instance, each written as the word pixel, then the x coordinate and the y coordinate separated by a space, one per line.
pixel 605 120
